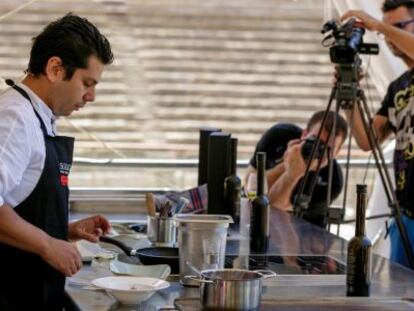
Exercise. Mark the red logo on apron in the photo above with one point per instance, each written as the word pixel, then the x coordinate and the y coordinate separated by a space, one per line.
pixel 64 180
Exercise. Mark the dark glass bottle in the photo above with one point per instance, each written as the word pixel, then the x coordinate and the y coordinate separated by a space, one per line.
pixel 259 219
pixel 232 185
pixel 358 272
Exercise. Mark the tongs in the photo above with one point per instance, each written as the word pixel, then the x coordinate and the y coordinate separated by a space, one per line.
pixel 166 209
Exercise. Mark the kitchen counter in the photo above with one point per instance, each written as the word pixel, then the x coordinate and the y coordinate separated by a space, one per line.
pixel 291 239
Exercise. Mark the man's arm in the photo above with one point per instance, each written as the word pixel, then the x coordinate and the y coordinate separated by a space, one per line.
pixel 404 40
pixel 280 185
pixel 271 175
pixel 17 232
pixel 379 125
pixel 274 174
pixel 280 192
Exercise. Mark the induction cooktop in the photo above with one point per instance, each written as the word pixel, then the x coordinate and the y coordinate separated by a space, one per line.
pixel 304 264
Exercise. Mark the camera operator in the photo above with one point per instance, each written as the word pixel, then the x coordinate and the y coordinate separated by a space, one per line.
pixel 286 146
pixel 396 112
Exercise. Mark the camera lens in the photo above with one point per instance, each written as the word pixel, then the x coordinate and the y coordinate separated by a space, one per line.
pixel 306 149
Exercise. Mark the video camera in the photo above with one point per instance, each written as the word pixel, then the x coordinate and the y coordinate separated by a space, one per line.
pixel 347 41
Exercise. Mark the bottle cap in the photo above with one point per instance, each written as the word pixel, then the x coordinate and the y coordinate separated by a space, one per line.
pixel 261 156
pixel 361 188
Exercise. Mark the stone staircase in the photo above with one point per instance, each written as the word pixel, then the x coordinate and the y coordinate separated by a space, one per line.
pixel 241 65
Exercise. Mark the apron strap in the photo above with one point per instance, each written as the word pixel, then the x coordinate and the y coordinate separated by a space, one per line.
pixel 25 95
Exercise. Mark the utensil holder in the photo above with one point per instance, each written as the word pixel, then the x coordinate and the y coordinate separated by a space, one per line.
pixel 162 231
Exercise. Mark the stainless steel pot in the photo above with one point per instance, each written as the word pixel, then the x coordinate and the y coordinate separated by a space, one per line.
pixel 231 289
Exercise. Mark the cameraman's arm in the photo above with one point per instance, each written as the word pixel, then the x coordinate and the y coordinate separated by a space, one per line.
pixel 401 38
pixel 404 40
pixel 379 125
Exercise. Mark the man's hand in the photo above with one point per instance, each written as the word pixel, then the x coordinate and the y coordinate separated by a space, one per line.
pixel 295 165
pixel 89 228
pixel 366 20
pixel 63 256
pixel 293 161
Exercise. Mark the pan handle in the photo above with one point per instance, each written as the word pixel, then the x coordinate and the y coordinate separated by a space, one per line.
pixel 266 273
pixel 128 250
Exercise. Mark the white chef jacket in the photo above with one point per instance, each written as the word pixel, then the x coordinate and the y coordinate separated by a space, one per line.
pixel 22 145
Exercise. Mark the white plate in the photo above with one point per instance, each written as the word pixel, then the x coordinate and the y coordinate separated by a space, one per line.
pixel 89 251
pixel 154 271
pixel 130 289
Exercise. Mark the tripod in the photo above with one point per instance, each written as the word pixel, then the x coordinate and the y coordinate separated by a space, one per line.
pixel 348 94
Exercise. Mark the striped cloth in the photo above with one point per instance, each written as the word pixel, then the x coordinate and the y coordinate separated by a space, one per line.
pixel 195 203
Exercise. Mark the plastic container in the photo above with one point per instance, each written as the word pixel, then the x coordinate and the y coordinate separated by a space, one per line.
pixel 202 243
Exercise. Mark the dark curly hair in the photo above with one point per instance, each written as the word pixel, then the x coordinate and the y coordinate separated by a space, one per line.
pixel 389 5
pixel 71 38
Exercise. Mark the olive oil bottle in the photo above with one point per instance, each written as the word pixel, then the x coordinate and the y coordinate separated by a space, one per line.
pixel 260 210
pixel 358 272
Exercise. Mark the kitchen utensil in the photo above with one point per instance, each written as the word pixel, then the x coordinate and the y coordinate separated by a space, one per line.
pixel 202 243
pixel 130 290
pixel 316 303
pixel 162 231
pixel 231 289
pixel 150 203
pixel 151 255
pixel 89 251
pixel 165 209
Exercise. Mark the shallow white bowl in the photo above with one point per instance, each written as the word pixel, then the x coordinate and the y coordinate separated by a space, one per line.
pixel 130 290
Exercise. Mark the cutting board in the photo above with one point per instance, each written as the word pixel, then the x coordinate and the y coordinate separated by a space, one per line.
pixel 331 304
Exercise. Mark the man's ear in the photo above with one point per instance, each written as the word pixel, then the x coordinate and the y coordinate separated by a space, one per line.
pixel 54 69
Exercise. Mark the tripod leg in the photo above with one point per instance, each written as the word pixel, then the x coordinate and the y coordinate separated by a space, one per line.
pixel 298 205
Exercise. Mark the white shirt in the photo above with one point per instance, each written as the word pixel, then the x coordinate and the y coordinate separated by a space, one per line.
pixel 22 145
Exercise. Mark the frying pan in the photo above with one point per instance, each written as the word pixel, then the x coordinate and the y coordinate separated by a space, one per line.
pixel 150 255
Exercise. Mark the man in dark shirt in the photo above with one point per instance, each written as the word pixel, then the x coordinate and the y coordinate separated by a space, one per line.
pixel 285 165
pixel 395 115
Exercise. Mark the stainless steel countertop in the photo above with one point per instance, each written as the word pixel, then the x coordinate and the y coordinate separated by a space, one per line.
pixel 289 236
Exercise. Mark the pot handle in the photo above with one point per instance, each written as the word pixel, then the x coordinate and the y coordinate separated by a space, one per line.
pixel 266 273
pixel 195 278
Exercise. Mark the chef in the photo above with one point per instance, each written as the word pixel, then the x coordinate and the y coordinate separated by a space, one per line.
pixel 66 62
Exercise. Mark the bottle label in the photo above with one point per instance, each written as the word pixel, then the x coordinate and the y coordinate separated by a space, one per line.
pixel 358 277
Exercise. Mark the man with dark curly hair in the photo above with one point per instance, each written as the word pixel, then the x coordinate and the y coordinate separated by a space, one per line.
pixel 66 62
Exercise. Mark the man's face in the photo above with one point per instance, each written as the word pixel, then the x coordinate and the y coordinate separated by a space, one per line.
pixel 324 138
pixel 73 94
pixel 398 15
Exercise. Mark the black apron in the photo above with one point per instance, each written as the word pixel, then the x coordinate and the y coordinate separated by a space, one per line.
pixel 26 281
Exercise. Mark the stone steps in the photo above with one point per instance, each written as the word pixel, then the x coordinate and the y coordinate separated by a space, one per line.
pixel 241 65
